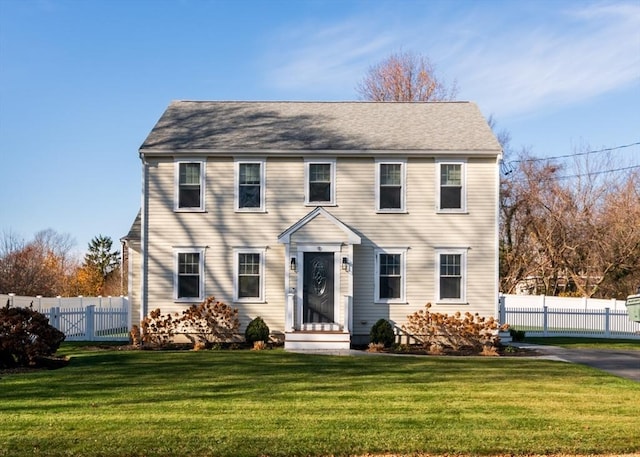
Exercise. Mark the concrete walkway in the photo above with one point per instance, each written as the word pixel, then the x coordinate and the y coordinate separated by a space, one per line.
pixel 623 363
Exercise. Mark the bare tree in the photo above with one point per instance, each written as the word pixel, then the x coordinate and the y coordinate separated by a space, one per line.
pixel 570 230
pixel 39 267
pixel 405 77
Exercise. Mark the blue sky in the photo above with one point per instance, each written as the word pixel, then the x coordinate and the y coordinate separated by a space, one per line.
pixel 83 82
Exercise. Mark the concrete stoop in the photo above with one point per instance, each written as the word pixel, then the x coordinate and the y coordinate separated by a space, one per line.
pixel 317 341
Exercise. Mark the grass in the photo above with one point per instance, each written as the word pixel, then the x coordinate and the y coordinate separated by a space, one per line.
pixel 586 343
pixel 248 403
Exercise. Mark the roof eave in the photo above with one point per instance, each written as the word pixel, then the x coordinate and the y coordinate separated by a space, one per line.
pixel 146 152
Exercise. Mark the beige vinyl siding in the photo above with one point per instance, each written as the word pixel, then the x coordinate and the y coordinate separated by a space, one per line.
pixel 221 229
pixel 422 231
pixel 319 231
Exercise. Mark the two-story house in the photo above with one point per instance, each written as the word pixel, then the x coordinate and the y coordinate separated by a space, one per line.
pixel 320 217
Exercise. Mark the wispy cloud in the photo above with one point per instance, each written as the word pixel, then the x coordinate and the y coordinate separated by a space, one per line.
pixel 587 53
pixel 329 58
pixel 510 61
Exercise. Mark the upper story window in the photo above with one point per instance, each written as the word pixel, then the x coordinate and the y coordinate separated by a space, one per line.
pixel 451 266
pixel 390 188
pixel 189 274
pixel 451 187
pixel 390 275
pixel 249 277
pixel 190 186
pixel 250 185
pixel 320 182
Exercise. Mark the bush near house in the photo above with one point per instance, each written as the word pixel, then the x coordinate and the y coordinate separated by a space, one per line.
pixel 26 337
pixel 382 333
pixel 206 324
pixel 257 330
pixel 437 332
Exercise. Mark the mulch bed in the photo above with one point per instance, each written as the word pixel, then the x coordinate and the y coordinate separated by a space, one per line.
pixel 502 351
pixel 53 363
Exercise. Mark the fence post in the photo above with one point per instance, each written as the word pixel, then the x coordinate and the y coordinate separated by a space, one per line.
pixel 11 300
pixel 545 321
pixel 39 297
pixel 607 320
pixel 89 323
pixel 615 304
pixel 54 317
pixel 502 318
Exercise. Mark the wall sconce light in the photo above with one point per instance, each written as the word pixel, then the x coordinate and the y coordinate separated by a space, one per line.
pixel 293 264
pixel 345 263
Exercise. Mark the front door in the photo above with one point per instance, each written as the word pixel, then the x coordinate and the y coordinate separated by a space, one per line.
pixel 317 298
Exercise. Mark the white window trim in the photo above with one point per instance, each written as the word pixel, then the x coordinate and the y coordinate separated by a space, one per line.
pixel 176 186
pixel 236 283
pixel 188 250
pixel 331 162
pixel 463 271
pixel 463 192
pixel 403 274
pixel 263 185
pixel 403 185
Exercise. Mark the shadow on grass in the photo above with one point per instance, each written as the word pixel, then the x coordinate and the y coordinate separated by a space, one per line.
pixel 279 403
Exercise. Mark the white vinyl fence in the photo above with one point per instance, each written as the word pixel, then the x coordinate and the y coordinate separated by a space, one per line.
pixel 540 301
pixel 566 317
pixel 80 318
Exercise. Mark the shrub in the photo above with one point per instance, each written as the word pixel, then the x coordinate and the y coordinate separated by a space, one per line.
pixel 375 347
pixel 517 335
pixel 382 332
pixel 209 322
pixel 257 330
pixel 135 337
pixel 437 331
pixel 26 337
pixel 158 329
pixel 259 345
pixel 206 324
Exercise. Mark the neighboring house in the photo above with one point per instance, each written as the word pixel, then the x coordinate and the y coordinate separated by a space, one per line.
pixel 320 217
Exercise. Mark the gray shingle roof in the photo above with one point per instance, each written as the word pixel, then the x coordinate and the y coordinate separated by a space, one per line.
pixel 135 230
pixel 285 126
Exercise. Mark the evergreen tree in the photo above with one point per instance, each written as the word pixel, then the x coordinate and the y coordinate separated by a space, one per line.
pixel 101 259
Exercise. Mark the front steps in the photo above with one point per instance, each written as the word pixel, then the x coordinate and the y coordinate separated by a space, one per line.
pixel 317 341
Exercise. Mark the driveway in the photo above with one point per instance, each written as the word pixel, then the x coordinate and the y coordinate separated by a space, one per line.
pixel 623 363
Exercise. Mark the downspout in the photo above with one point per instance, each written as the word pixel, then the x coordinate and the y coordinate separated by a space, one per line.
pixel 144 238
pixel 497 236
pixel 123 243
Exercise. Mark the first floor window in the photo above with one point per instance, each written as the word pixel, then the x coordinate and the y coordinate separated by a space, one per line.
pixel 390 275
pixel 189 274
pixel 249 274
pixel 451 267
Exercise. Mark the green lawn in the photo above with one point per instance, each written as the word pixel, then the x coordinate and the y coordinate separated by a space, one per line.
pixel 246 403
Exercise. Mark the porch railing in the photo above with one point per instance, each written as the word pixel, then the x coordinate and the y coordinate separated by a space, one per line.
pixel 293 315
